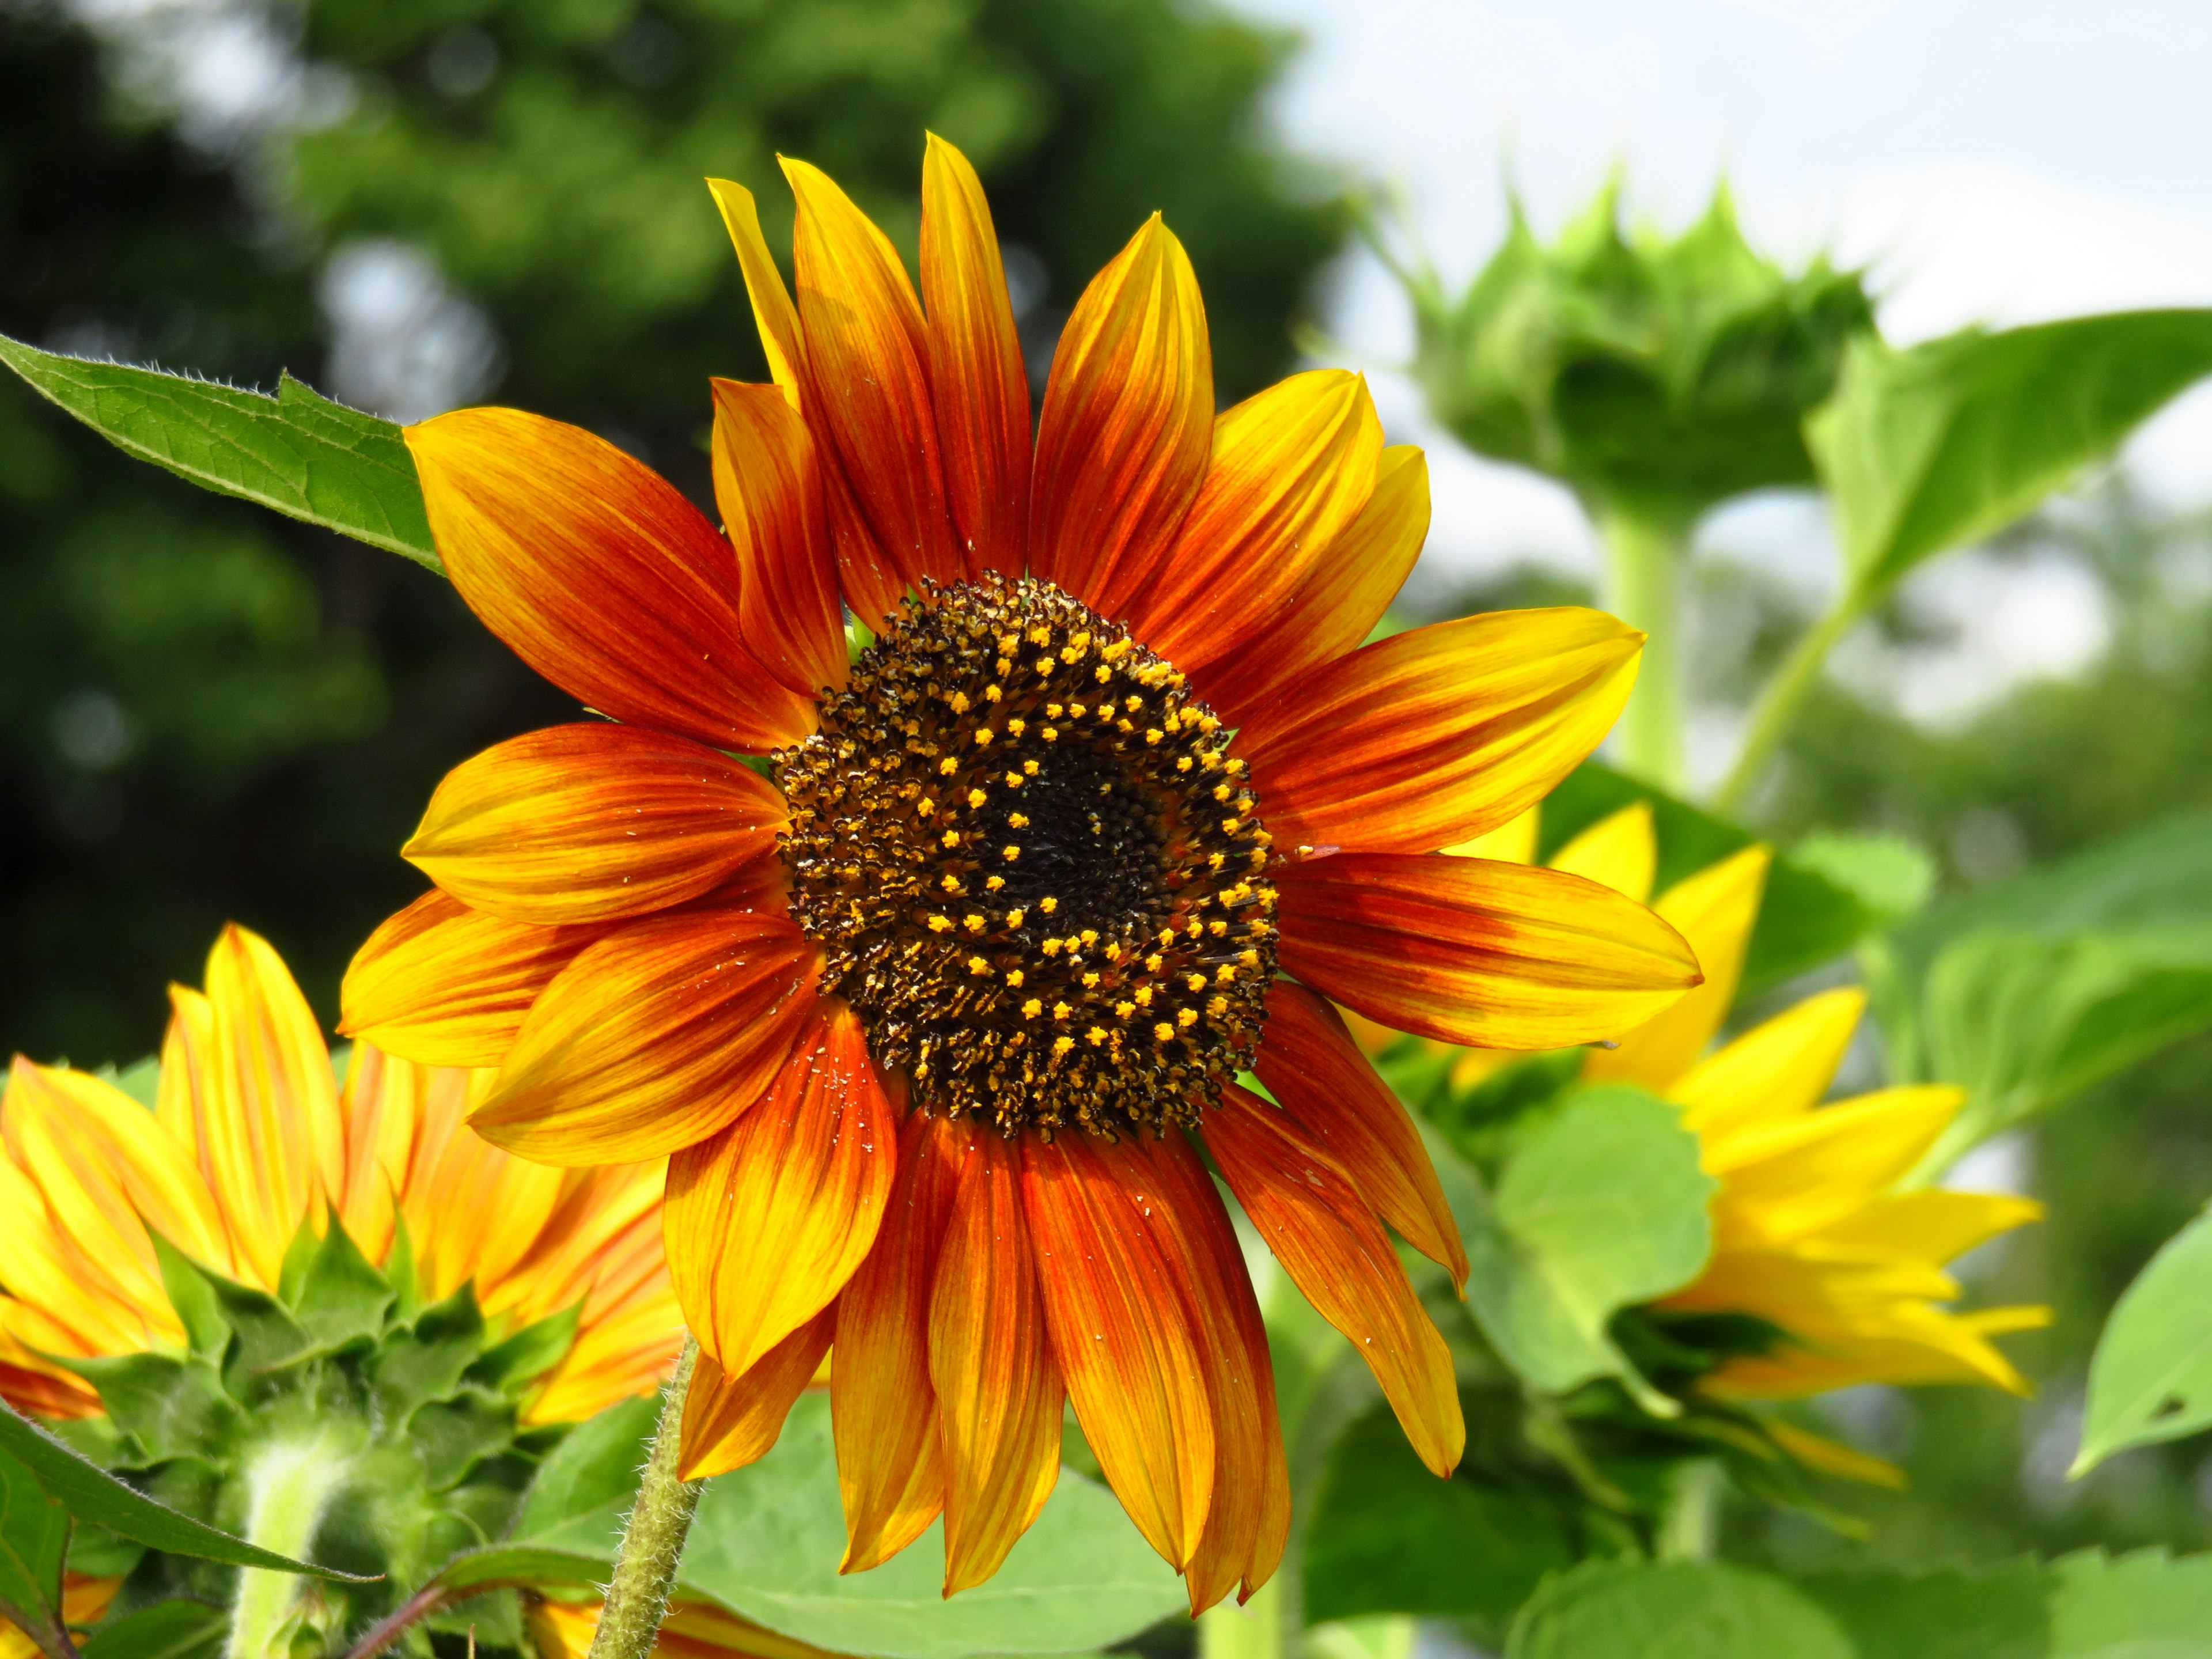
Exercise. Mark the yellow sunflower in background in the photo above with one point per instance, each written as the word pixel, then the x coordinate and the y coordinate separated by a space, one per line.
pixel 933 1012
pixel 1810 1232
pixel 251 1142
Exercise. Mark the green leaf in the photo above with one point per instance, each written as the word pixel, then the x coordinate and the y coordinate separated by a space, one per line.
pixel 34 1533
pixel 1387 1536
pixel 2151 1377
pixel 592 1470
pixel 768 1539
pixel 1808 916
pixel 2144 1606
pixel 93 1495
pixel 1923 449
pixel 1601 1206
pixel 298 453
pixel 1675 1610
pixel 2000 1613
pixel 168 1630
pixel 1891 878
pixel 528 1354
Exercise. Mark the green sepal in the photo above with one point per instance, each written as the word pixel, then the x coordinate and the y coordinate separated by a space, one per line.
pixel 426 1359
pixel 206 1333
pixel 168 1407
pixel 453 1434
pixel 520 1359
pixel 339 1299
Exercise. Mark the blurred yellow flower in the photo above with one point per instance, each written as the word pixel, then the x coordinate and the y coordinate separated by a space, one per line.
pixel 692 1630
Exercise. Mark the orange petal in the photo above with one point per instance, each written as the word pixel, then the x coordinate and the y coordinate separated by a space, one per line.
pixel 1438 735
pixel 381 1107
pixel 449 985
pixel 1317 1073
pixel 883 1409
pixel 730 1421
pixel 768 484
pixel 991 1363
pixel 975 371
pixel 591 822
pixel 1124 1342
pixel 1340 599
pixel 868 379
pixel 652 1039
pixel 269 1139
pixel 1321 1230
pixel 1250 1519
pixel 1499 956
pixel 1127 423
pixel 772 312
pixel 769 1219
pixel 598 574
pixel 1290 468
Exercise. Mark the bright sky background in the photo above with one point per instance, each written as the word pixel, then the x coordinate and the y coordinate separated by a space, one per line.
pixel 1993 161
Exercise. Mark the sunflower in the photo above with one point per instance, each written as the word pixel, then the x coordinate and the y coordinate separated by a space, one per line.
pixel 934 1004
pixel 251 1150
pixel 1812 1233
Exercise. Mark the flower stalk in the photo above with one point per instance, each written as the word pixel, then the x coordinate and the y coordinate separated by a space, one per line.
pixel 652 1545
pixel 1645 557
pixel 290 1485
pixel 1782 698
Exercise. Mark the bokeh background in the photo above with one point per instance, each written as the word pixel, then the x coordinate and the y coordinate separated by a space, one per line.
pixel 208 713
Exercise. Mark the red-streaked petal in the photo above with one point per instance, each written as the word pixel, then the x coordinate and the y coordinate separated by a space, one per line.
pixel 768 1219
pixel 1321 1230
pixel 731 1421
pixel 883 1409
pixel 1497 955
pixel 998 1391
pixel 1249 1521
pixel 596 573
pixel 591 822
pixel 1341 599
pixel 1123 1339
pixel 448 986
pixel 654 1038
pixel 1433 737
pixel 1127 423
pixel 1289 470
pixel 868 379
pixel 1317 1073
pixel 772 312
pixel 977 380
pixel 768 484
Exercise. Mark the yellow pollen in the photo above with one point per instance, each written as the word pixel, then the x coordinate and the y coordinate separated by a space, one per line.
pixel 1163 1031
pixel 992 884
pixel 1222 791
pixel 1217 1007
pixel 975 922
pixel 959 702
pixel 1217 927
pixel 1043 665
pixel 1018 820
pixel 991 694
pixel 1097 1034
pixel 1196 982
pixel 1062 1043
pixel 1153 963
pixel 1049 733
pixel 1074 711
pixel 1014 977
pixel 1228 826
pixel 1183 764
pixel 977 965
pixel 1015 728
pixel 1014 917
pixel 1089 936
pixel 1124 1008
pixel 1090 982
pixel 983 736
pixel 1143 994
pixel 976 798
pixel 1103 674
pixel 1013 780
pixel 1050 947
pixel 1154 735
pixel 1048 904
pixel 948 766
pixel 1061 1011
pixel 952 884
pixel 951 838
pixel 1132 703
pixel 940 924
pixel 1186 1016
pixel 1031 1008
pixel 924 807
pixel 1010 852
pixel 1225 973
pixel 1030 767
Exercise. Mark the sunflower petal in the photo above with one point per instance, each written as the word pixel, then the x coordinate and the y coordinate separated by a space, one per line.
pixel 1124 1342
pixel 1289 470
pixel 591 822
pixel 449 985
pixel 1127 425
pixel 1620 851
pixel 991 1364
pixel 772 312
pixel 1322 1230
pixel 1318 1075
pixel 1714 910
pixel 976 375
pixel 1436 736
pixel 654 1038
pixel 767 484
pixel 883 1408
pixel 867 379
pixel 768 1218
pixel 1784 1181
pixel 731 1421
pixel 1467 950
pixel 596 573
pixel 1773 1071
pixel 1933 1225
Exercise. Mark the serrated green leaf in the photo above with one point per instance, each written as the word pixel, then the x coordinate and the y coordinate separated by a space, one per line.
pixel 1945 443
pixel 168 1630
pixel 1998 1612
pixel 1891 878
pixel 96 1495
pixel 297 453
pixel 2148 1605
pixel 1673 1610
pixel 34 1533
pixel 2150 1378
pixel 1601 1206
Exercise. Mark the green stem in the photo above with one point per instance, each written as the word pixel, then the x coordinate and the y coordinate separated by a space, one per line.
pixel 1644 555
pixel 1779 703
pixel 1690 1527
pixel 290 1484
pixel 652 1544
pixel 1254 1630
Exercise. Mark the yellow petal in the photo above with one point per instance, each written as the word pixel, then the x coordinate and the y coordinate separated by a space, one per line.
pixel 772 312
pixel 1933 1226
pixel 1714 910
pixel 1513 841
pixel 1817 1451
pixel 1775 1071
pixel 1619 851
pixel 1789 1179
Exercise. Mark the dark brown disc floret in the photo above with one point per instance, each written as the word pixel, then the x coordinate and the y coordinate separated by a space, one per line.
pixel 1033 866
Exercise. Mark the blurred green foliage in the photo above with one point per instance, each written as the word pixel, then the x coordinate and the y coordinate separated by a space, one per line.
pixel 208 714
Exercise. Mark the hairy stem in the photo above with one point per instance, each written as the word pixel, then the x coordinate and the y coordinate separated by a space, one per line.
pixel 1779 703
pixel 290 1484
pixel 1644 555
pixel 652 1541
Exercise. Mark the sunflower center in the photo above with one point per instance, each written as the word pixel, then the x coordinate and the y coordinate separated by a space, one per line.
pixel 1033 866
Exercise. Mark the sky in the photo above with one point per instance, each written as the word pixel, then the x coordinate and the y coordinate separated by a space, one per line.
pixel 1989 162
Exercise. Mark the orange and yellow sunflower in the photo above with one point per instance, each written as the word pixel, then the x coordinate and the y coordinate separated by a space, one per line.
pixel 937 1006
